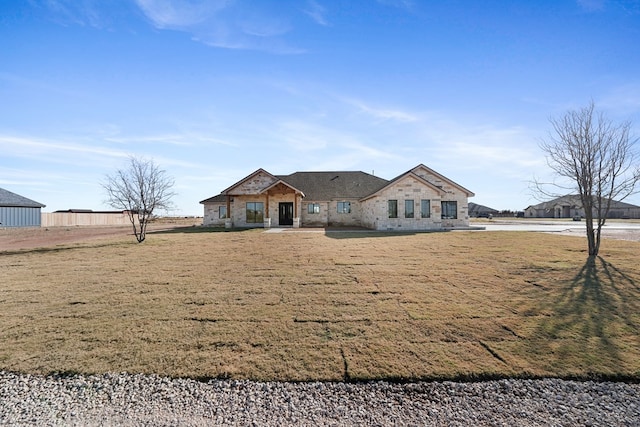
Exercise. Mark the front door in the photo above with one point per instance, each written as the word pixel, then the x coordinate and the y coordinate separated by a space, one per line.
pixel 285 213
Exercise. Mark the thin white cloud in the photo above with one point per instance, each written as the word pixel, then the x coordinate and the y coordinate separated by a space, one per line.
pixel 174 14
pixel 591 5
pixel 403 4
pixel 35 84
pixel 178 139
pixel 25 147
pixel 223 23
pixel 75 153
pixel 382 113
pixel 302 135
pixel 317 12
pixel 98 14
pixel 474 145
pixel 74 12
pixel 322 147
pixel 507 153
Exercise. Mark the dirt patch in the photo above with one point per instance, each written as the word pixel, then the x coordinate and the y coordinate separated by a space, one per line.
pixel 13 239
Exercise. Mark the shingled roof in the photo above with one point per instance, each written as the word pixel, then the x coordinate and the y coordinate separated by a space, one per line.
pixel 9 199
pixel 334 185
pixel 215 199
pixel 574 200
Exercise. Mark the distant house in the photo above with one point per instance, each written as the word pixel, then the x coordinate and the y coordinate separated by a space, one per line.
pixel 18 211
pixel 419 199
pixel 476 210
pixel 570 206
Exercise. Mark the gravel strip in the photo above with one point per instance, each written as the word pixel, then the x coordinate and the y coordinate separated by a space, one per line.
pixel 124 399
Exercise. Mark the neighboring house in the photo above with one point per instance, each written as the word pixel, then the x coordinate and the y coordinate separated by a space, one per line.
pixel 477 211
pixel 18 211
pixel 419 199
pixel 570 206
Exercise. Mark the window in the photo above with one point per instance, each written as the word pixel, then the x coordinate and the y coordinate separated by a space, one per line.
pixel 313 208
pixel 222 212
pixel 255 212
pixel 408 209
pixel 449 210
pixel 392 208
pixel 425 208
pixel 344 207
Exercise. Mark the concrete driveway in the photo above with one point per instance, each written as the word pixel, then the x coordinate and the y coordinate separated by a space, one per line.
pixel 621 229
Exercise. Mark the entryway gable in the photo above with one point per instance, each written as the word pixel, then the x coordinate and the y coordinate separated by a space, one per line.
pixel 254 183
pixel 281 187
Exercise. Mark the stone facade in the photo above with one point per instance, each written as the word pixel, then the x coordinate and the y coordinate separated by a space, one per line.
pixel 417 185
pixel 319 219
pixel 212 214
pixel 376 210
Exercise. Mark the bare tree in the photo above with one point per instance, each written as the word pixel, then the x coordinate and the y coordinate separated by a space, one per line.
pixel 599 159
pixel 140 189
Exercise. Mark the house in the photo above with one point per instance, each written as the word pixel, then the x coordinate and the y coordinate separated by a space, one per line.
pixel 570 206
pixel 480 211
pixel 18 211
pixel 419 199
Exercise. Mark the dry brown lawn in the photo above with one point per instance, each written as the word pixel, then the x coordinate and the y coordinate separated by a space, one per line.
pixel 198 302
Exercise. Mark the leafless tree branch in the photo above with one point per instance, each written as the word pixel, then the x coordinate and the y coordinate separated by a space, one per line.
pixel 140 190
pixel 599 157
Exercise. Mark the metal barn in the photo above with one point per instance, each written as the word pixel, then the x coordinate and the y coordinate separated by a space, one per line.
pixel 18 211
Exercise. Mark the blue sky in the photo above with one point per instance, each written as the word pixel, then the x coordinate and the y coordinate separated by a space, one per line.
pixel 213 90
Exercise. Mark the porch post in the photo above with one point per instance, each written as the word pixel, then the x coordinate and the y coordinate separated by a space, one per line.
pixel 267 219
pixel 296 217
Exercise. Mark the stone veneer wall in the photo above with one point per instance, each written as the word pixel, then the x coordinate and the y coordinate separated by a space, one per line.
pixel 320 219
pixel 371 213
pixel 274 212
pixel 352 219
pixel 238 210
pixel 375 210
pixel 211 215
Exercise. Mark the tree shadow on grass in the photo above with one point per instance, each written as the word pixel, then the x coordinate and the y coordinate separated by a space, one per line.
pixel 337 233
pixel 195 229
pixel 589 323
pixel 61 247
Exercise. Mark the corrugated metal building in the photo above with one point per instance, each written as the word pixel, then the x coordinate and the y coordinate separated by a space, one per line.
pixel 18 211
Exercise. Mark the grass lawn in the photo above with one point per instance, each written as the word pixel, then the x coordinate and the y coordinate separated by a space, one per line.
pixel 311 306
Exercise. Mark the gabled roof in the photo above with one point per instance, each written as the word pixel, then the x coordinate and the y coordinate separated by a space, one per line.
pixel 476 208
pixel 9 199
pixel 245 179
pixel 334 185
pixel 220 198
pixel 280 181
pixel 399 178
pixel 444 178
pixel 574 200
